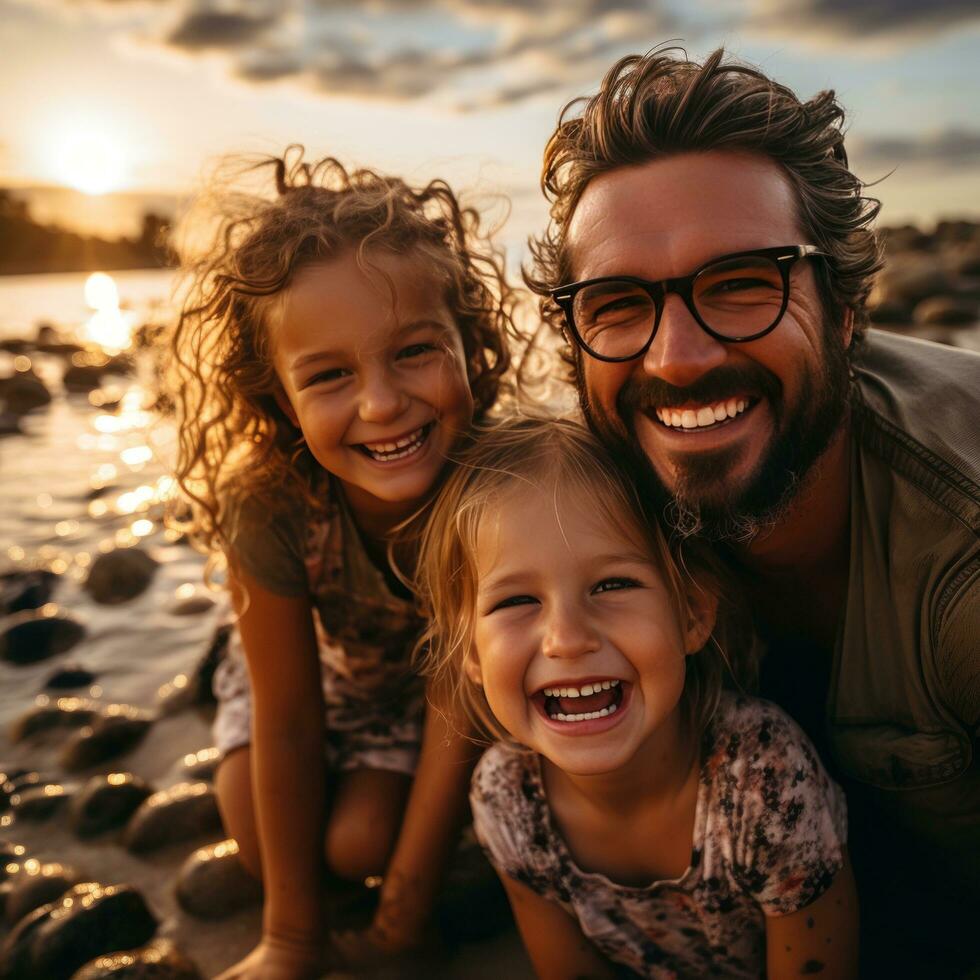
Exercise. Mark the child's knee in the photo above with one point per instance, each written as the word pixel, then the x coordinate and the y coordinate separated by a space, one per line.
pixel 355 849
pixel 233 789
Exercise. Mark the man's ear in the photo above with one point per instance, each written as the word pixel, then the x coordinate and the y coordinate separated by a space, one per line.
pixel 286 405
pixel 702 611
pixel 847 328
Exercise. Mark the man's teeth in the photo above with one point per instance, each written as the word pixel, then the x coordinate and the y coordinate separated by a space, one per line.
pixel 396 450
pixel 579 692
pixel 586 715
pixel 688 418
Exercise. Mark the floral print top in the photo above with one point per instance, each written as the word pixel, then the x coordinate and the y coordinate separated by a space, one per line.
pixel 769 832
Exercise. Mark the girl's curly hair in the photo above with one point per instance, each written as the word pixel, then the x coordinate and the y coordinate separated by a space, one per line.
pixel 656 105
pixel 234 441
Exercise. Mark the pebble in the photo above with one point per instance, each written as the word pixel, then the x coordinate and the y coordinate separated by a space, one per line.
pixel 109 735
pixel 106 802
pixel 191 606
pixel 26 590
pixel 120 575
pixel 10 424
pixel 69 676
pixel 201 764
pixel 176 695
pixel 36 884
pixel 40 802
pixel 88 921
pixel 212 883
pixel 181 813
pixel 159 960
pixel 949 311
pixel 24 391
pixel 64 712
pixel 32 635
pixel 82 377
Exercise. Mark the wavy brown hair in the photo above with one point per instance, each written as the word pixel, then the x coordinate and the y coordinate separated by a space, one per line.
pixel 234 441
pixel 558 456
pixel 656 105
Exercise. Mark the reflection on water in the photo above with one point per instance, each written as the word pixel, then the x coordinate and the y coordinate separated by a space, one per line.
pixel 108 326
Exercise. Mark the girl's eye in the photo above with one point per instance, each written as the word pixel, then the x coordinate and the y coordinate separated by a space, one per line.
pixel 514 600
pixel 331 374
pixel 415 350
pixel 615 584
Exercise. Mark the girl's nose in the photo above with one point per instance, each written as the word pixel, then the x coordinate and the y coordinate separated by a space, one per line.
pixel 382 400
pixel 681 351
pixel 569 633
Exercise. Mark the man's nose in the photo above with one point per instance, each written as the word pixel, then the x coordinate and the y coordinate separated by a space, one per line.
pixel 382 400
pixel 569 632
pixel 681 351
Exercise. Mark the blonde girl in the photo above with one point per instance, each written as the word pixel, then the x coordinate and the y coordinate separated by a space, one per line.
pixel 640 814
pixel 337 337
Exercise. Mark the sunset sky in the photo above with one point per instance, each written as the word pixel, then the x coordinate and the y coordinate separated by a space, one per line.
pixel 138 95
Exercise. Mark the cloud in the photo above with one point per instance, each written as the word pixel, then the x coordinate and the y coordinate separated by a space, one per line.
pixel 218 29
pixel 950 148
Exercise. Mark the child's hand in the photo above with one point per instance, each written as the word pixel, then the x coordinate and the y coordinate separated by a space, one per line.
pixel 378 945
pixel 275 959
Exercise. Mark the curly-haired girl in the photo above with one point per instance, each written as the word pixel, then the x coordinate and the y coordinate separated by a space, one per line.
pixel 334 342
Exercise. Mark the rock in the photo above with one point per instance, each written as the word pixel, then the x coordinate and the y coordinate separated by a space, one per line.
pixel 69 676
pixel 159 960
pixel 910 279
pixel 948 311
pixel 7 775
pixel 40 802
pixel 110 735
pixel 88 921
pixel 10 852
pixel 29 779
pixel 968 264
pixel 16 345
pixel 119 575
pixel 192 605
pixel 176 695
pixel 47 714
pixel 24 391
pixel 10 424
pixel 106 802
pixel 35 885
pixel 26 590
pixel 201 764
pixel 212 882
pixel 891 311
pixel 33 635
pixel 82 377
pixel 181 813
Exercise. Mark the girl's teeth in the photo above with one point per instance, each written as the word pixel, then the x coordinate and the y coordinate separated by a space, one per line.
pixel 386 451
pixel 586 716
pixel 575 692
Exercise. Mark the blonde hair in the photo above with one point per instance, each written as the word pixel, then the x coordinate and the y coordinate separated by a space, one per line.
pixel 548 454
pixel 235 442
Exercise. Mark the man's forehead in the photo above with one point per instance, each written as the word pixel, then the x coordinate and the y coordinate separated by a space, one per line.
pixel 665 217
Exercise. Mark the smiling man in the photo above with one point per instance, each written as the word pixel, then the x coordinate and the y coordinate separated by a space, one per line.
pixel 709 260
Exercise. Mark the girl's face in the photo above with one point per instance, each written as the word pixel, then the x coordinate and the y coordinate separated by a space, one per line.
pixel 379 389
pixel 580 648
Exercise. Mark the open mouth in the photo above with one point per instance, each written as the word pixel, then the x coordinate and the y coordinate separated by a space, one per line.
pixel 581 702
pixel 711 416
pixel 401 448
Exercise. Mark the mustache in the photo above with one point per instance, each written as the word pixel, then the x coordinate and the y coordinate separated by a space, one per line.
pixel 720 384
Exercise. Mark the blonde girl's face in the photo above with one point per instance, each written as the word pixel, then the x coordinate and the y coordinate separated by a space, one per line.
pixel 379 389
pixel 579 646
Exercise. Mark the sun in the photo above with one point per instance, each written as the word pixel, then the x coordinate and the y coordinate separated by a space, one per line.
pixel 88 156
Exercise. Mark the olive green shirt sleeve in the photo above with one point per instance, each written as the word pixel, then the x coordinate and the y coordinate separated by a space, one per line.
pixel 269 547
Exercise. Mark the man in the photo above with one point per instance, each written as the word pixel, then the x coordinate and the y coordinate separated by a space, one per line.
pixel 709 259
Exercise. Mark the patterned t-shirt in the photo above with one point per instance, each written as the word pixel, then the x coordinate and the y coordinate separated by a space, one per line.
pixel 769 832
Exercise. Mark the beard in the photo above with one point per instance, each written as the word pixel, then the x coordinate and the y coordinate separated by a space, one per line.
pixel 701 503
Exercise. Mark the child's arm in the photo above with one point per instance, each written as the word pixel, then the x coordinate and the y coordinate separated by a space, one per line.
pixel 820 939
pixel 288 778
pixel 552 938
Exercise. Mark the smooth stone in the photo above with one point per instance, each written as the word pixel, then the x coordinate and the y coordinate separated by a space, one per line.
pixel 891 311
pixel 69 676
pixel 82 377
pixel 23 392
pixel 111 734
pixel 26 590
pixel 212 883
pixel 86 923
pixel 106 802
pixel 968 264
pixel 34 885
pixel 201 764
pixel 181 813
pixel 28 779
pixel 159 960
pixel 176 695
pixel 32 635
pixel 947 311
pixel 10 424
pixel 7 775
pixel 40 802
pixel 120 575
pixel 10 853
pixel 16 345
pixel 64 712
pixel 912 278
pixel 192 606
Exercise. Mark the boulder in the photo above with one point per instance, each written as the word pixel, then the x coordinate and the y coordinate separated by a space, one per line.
pixel 69 676
pixel 83 377
pixel 33 635
pixel 26 590
pixel 182 813
pixel 112 733
pixel 947 311
pixel 159 960
pixel 58 713
pixel 120 575
pixel 191 606
pixel 212 882
pixel 88 921
pixel 24 391
pixel 40 802
pixel 106 802
pixel 34 885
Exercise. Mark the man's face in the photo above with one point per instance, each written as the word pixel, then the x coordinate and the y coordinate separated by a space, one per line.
pixel 776 402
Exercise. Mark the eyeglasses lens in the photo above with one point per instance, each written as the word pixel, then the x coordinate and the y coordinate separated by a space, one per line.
pixel 614 318
pixel 739 297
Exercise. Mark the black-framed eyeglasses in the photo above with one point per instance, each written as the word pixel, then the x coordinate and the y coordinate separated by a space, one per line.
pixel 735 298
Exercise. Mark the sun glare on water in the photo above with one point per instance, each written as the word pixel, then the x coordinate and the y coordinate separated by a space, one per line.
pixel 108 326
